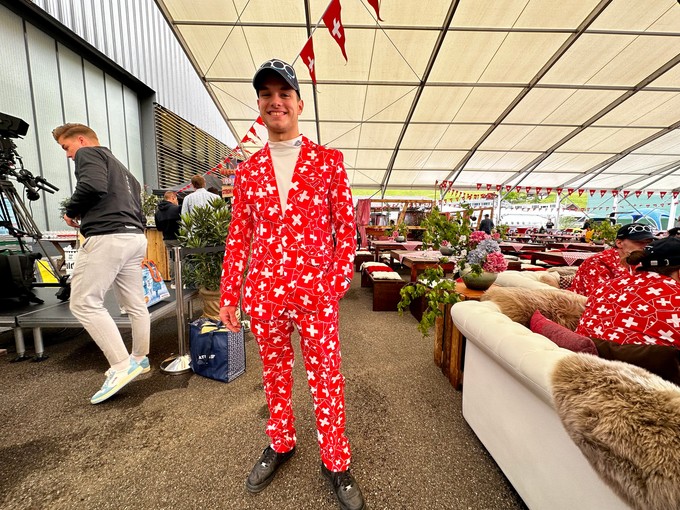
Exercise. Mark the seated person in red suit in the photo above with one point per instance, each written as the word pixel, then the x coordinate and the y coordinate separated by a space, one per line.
pixel 595 271
pixel 643 308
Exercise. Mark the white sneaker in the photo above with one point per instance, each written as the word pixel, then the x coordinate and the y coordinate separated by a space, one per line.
pixel 115 381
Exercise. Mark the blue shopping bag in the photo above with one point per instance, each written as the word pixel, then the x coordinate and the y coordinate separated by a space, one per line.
pixel 152 281
pixel 215 352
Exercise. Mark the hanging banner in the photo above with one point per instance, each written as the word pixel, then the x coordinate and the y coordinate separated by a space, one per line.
pixel 307 56
pixel 334 24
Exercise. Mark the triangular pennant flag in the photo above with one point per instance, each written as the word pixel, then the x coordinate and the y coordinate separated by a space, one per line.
pixel 570 191
pixel 675 194
pixel 528 189
pixel 307 56
pixel 334 24
pixel 488 187
pixel 592 192
pixel 479 186
pixel 662 193
pixel 508 187
pixel 498 187
pixel 580 191
pixel 615 192
pixel 638 193
pixel 538 190
pixel 649 194
pixel 559 191
pixel 376 6
pixel 626 193
pixel 602 192
pixel 548 190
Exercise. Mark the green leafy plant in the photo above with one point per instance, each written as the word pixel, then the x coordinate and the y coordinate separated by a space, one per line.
pixel 439 229
pixel 205 226
pixel 149 202
pixel 606 232
pixel 502 231
pixel 437 292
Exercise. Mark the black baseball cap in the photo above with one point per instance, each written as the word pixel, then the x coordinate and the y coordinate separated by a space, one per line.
pixel 635 232
pixel 279 67
pixel 662 253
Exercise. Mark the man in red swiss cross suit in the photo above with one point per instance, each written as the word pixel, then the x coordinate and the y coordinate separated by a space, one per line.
pixel 293 214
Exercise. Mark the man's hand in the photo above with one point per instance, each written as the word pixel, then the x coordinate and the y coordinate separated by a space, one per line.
pixel 229 318
pixel 72 222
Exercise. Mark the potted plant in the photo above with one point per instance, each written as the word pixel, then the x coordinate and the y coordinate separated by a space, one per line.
pixel 605 232
pixel 149 205
pixel 205 226
pixel 439 228
pixel 481 260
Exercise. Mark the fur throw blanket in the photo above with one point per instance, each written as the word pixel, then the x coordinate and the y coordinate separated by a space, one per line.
pixel 626 422
pixel 560 306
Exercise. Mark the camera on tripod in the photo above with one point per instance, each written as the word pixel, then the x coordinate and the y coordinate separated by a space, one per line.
pixel 13 127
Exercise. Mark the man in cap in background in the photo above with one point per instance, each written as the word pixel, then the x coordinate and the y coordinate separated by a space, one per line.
pixel 597 270
pixel 293 214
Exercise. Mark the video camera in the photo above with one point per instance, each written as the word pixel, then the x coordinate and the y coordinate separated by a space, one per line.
pixel 13 127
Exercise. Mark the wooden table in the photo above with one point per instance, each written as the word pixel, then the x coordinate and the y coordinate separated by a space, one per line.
pixel 564 258
pixel 380 246
pixel 509 247
pixel 418 264
pixel 576 246
pixel 449 343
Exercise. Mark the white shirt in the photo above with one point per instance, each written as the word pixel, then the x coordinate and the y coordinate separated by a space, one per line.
pixel 284 158
pixel 198 198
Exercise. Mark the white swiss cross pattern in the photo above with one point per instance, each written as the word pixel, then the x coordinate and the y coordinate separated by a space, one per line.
pixel 639 310
pixel 593 274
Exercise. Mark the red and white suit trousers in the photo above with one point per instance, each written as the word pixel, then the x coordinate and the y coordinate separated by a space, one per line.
pixel 321 353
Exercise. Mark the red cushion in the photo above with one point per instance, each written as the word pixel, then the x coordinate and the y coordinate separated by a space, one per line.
pixel 370 269
pixel 560 335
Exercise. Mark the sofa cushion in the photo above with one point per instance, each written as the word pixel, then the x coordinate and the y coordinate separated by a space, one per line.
pixel 626 422
pixel 562 336
pixel 662 360
pixel 560 306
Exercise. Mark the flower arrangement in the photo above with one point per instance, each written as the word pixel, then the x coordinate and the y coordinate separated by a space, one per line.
pixel 482 253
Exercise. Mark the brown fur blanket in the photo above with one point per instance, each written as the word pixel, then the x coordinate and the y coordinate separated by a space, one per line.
pixel 560 306
pixel 626 422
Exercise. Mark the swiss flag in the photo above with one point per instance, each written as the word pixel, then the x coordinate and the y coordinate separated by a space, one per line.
pixel 638 193
pixel 649 194
pixel 307 56
pixel 376 6
pixel 662 194
pixel 592 192
pixel 548 190
pixel 580 191
pixel 603 192
pixel 615 192
pixel 626 193
pixel 498 187
pixel 508 187
pixel 334 24
pixel 479 186
pixel 675 194
pixel 559 191
pixel 570 191
pixel 488 187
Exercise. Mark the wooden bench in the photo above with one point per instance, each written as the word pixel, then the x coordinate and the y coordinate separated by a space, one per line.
pixel 360 258
pixel 386 293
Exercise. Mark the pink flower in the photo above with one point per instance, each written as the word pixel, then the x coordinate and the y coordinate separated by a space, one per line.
pixel 495 263
pixel 444 243
pixel 477 237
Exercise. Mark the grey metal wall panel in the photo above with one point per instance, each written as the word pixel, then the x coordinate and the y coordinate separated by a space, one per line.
pixel 95 91
pixel 72 86
pixel 116 114
pixel 134 135
pixel 144 45
pixel 47 115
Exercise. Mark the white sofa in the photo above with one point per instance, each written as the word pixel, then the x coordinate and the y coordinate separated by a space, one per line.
pixel 507 403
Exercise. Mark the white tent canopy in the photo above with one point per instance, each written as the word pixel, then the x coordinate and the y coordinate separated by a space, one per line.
pixel 539 93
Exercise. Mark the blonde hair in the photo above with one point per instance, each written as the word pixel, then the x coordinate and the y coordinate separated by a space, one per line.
pixel 169 195
pixel 73 129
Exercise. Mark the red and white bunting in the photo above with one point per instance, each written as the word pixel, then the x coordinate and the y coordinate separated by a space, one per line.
pixel 333 22
pixel 662 193
pixel 376 6
pixel 649 194
pixel 592 192
pixel 479 186
pixel 638 193
pixel 626 193
pixel 307 56
pixel 603 192
pixel 580 191
pixel 570 191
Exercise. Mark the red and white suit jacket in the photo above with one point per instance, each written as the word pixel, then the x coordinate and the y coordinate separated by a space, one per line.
pixel 294 260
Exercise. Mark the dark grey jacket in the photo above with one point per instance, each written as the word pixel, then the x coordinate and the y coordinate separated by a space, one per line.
pixel 107 197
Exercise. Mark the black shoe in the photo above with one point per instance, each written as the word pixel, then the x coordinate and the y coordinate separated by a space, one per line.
pixel 265 468
pixel 346 488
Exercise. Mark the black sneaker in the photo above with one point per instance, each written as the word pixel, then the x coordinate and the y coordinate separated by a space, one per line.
pixel 265 468
pixel 346 488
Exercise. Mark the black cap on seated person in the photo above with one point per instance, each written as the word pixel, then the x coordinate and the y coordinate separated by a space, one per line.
pixel 635 232
pixel 279 67
pixel 662 253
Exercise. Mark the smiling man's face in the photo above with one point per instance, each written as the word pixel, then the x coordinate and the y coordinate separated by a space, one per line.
pixel 280 108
